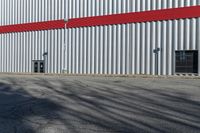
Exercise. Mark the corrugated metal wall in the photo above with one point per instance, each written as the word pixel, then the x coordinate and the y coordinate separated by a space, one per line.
pixel 116 49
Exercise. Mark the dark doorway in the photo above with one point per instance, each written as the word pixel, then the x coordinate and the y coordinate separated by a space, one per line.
pixel 187 61
pixel 38 66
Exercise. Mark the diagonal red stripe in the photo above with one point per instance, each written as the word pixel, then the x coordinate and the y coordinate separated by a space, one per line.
pixel 48 25
pixel 137 17
pixel 134 17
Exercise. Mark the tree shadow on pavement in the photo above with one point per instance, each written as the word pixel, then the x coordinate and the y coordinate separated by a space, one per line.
pixel 21 112
pixel 118 107
pixel 89 106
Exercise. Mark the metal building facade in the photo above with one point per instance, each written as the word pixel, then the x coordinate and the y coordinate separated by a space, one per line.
pixel 112 49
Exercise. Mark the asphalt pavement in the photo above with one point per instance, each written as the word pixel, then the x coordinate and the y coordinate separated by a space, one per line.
pixel 88 104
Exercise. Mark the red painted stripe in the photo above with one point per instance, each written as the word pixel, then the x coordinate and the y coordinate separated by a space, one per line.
pixel 137 17
pixel 48 25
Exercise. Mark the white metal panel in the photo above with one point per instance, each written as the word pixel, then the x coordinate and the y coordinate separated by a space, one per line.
pixel 114 49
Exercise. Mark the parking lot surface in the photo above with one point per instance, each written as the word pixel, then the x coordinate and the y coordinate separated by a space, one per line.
pixel 62 104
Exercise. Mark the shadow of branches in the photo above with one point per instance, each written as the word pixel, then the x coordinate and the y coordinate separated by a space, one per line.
pixel 21 112
pixel 126 108
pixel 84 106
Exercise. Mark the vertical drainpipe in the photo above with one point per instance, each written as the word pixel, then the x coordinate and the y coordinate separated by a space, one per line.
pixel 156 52
pixel 65 46
pixel 45 62
pixel 156 63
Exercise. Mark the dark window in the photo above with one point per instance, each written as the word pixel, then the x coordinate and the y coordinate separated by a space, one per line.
pixel 41 67
pixel 187 61
pixel 38 66
pixel 35 67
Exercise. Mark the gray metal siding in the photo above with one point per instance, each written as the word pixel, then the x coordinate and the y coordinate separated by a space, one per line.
pixel 113 49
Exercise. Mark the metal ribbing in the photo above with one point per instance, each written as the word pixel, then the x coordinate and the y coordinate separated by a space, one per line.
pixel 116 49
